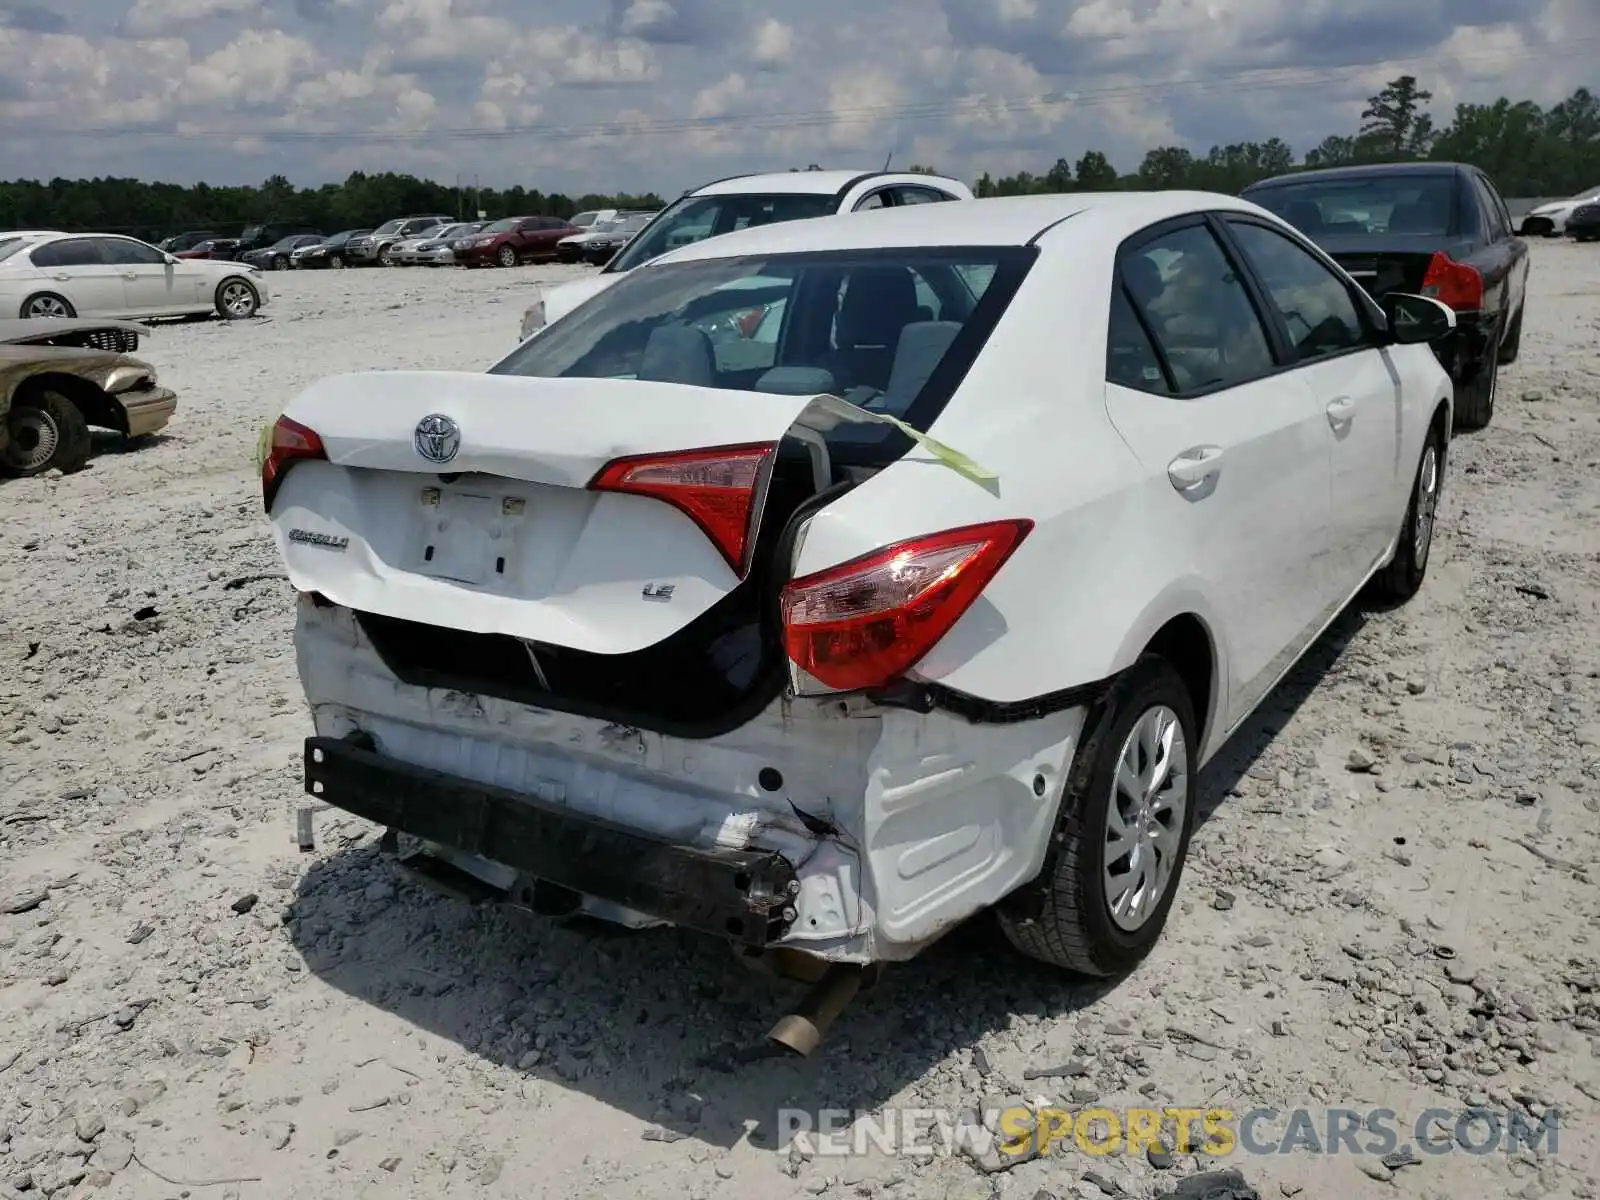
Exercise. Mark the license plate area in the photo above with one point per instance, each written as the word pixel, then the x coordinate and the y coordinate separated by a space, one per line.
pixel 466 537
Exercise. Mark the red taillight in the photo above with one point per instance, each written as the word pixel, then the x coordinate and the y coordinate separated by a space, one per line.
pixel 865 623
pixel 291 442
pixel 1453 283
pixel 719 489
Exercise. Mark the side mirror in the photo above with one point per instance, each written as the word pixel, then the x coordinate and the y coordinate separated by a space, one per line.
pixel 1417 319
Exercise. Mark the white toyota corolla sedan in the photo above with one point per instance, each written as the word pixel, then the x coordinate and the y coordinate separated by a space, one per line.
pixel 106 275
pixel 821 585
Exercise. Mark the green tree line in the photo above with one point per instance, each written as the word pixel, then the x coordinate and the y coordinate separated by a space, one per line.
pixel 154 210
pixel 1527 150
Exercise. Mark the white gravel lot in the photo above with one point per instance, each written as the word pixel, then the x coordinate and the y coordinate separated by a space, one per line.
pixel 1428 782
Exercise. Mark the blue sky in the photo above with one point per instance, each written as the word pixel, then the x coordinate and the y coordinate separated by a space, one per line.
pixel 663 94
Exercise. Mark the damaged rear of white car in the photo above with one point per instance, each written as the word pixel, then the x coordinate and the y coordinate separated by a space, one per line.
pixel 649 623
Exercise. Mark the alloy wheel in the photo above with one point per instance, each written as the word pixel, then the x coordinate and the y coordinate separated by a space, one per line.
pixel 46 306
pixel 1145 817
pixel 1427 505
pixel 238 299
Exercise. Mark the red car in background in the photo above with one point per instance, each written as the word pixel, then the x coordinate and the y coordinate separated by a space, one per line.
pixel 513 240
pixel 215 248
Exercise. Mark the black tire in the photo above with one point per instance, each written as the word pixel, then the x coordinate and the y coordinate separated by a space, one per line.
pixel 1537 227
pixel 236 299
pixel 1475 400
pixel 336 261
pixel 1073 927
pixel 1401 579
pixel 507 257
pixel 46 300
pixel 45 430
pixel 1512 346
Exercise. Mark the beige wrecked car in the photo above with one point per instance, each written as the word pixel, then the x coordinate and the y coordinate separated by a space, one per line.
pixel 60 376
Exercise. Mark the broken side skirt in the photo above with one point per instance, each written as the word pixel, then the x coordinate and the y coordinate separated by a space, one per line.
pixel 741 895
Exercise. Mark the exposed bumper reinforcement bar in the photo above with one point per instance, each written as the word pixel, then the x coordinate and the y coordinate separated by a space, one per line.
pixel 740 895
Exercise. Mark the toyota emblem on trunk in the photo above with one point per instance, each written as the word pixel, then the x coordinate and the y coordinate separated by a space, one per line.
pixel 437 438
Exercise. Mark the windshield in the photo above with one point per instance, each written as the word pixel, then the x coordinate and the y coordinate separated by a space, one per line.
pixel 1402 203
pixel 10 246
pixel 872 326
pixel 584 219
pixel 636 223
pixel 503 226
pixel 1591 194
pixel 695 218
pixel 389 227
pixel 254 231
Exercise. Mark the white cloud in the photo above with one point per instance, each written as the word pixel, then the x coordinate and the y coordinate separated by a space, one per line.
pixel 773 44
pixel 257 67
pixel 950 82
pixel 159 16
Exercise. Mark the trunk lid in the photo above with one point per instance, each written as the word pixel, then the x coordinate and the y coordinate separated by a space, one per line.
pixel 506 537
pixel 1385 263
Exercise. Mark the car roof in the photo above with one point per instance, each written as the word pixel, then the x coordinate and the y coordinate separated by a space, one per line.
pixel 812 183
pixel 1001 221
pixel 1361 171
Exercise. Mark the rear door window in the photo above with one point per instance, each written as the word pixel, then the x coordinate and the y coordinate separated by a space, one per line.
pixel 74 252
pixel 1198 310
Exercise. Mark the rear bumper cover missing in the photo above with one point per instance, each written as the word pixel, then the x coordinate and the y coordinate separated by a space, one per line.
pixel 740 895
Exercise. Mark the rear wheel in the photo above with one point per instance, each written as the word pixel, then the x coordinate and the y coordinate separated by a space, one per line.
pixel 44 429
pixel 1122 831
pixel 1538 227
pixel 236 300
pixel 507 256
pixel 46 304
pixel 1475 400
pixel 1401 579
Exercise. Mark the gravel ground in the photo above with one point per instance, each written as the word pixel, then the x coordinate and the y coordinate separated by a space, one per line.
pixel 1394 899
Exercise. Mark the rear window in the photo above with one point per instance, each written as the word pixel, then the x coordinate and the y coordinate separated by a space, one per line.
pixel 1402 203
pixel 695 218
pixel 892 331
pixel 9 246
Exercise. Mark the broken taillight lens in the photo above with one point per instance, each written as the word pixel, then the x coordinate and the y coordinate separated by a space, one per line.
pixel 291 442
pixel 719 489
pixel 1453 283
pixel 867 622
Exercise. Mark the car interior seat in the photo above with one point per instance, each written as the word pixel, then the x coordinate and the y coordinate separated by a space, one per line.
pixel 879 302
pixel 678 354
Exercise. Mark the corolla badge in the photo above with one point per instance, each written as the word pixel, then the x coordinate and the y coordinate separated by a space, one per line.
pixel 437 438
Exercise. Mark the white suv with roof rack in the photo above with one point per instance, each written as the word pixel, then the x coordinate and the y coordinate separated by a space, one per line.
pixel 740 202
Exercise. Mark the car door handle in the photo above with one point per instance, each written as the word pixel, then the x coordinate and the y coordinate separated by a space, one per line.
pixel 130 274
pixel 61 277
pixel 1194 467
pixel 1341 411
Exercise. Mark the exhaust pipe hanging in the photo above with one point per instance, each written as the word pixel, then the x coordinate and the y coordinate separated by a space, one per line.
pixel 802 1031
